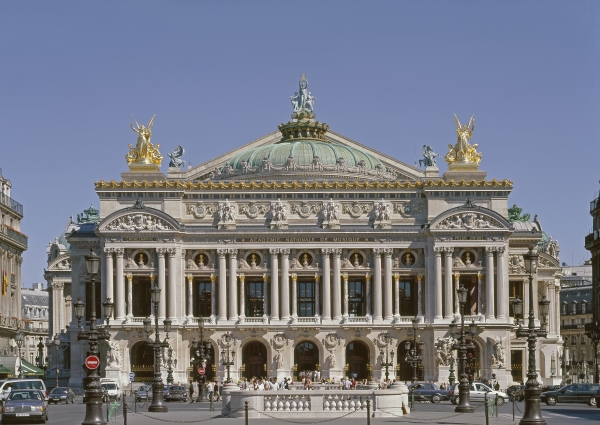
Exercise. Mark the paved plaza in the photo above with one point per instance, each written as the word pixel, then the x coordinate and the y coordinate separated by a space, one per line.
pixel 443 413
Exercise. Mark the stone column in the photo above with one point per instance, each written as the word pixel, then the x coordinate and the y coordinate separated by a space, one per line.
pixel 345 312
pixel 162 310
pixel 557 304
pixel 172 285
pixel 377 296
pixel 285 283
pixel 242 297
pixel 397 296
pixel 57 307
pixel 479 292
pixel 368 295
pixel 448 283
pixel 337 285
pixel 108 258
pixel 501 286
pixel 265 295
pixel 274 283
pixel 232 293
pixel 438 286
pixel 489 284
pixel 120 286
pixel 326 286
pixel 222 285
pixel 317 309
pixel 456 286
pixel 419 295
pixel 551 312
pixel 213 298
pixel 294 297
pixel 190 296
pixel 129 295
pixel 388 313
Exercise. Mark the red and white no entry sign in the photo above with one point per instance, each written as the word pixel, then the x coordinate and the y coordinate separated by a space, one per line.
pixel 92 362
pixel 201 371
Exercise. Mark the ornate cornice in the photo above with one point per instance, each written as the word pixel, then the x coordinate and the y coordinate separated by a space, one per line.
pixel 254 185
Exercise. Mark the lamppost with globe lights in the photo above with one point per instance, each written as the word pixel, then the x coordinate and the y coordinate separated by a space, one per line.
pixel 200 359
pixel 464 388
pixel 451 378
pixel 388 358
pixel 19 338
pixel 170 363
pixel 158 401
pixel 565 361
pixel 56 343
pixel 592 330
pixel 414 356
pixel 91 383
pixel 533 412
pixel 227 361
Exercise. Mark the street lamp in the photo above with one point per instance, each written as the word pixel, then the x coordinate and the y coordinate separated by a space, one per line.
pixel 19 338
pixel 566 361
pixel 533 413
pixel 91 383
pixel 464 389
pixel 40 357
pixel 592 330
pixel 414 356
pixel 227 361
pixel 200 359
pixel 56 343
pixel 158 401
pixel 451 378
pixel 388 358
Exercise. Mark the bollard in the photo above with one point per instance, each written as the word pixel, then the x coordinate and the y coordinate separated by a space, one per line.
pixel 496 404
pixel 368 411
pixel 212 403
pixel 125 409
pixel 487 413
pixel 513 400
pixel 246 408
pixel 412 401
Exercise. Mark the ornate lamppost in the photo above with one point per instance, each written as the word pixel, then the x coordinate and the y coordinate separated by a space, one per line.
pixel 158 401
pixel 414 356
pixel 91 383
pixel 200 359
pixel 40 356
pixel 19 338
pixel 451 378
pixel 565 361
pixel 227 361
pixel 56 343
pixel 170 363
pixel 388 358
pixel 464 389
pixel 533 413
pixel 592 330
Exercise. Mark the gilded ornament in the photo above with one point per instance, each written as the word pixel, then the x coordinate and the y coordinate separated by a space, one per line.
pixel 463 152
pixel 145 155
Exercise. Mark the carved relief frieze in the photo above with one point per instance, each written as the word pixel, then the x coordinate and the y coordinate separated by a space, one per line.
pixel 253 209
pixel 227 212
pixel 356 209
pixel 200 210
pixel 138 222
pixel 305 209
pixel 469 221
pixel 409 208
pixel 516 264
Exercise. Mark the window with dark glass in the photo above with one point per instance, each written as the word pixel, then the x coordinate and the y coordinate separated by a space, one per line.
pixel 254 299
pixel 202 302
pixel 407 295
pixel 356 298
pixel 141 294
pixel 306 299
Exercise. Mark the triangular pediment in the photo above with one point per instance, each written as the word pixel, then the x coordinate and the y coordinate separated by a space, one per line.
pixel 387 168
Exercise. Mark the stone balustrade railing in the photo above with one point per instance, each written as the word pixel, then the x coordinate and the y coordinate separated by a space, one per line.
pixel 317 403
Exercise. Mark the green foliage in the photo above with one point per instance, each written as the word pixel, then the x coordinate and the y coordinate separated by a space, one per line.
pixel 514 214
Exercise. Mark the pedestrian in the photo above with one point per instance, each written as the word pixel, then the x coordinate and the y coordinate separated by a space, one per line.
pixel 497 386
pixel 191 389
pixel 217 391
pixel 211 388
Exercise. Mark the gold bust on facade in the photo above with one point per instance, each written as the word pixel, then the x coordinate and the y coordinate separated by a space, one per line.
pixel 463 152
pixel 144 156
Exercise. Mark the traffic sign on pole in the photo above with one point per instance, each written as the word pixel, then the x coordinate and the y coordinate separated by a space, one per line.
pixel 92 362
pixel 131 376
pixel 201 371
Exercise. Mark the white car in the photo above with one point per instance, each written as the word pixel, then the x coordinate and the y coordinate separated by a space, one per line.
pixel 112 388
pixel 478 391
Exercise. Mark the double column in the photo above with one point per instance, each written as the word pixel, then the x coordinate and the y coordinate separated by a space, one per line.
pixel 326 284
pixel 108 273
pixel 448 292
pixel 280 290
pixel 222 311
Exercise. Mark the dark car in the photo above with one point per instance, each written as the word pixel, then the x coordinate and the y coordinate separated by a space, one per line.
pixel 573 393
pixel 105 397
pixel 176 392
pixel 144 392
pixel 428 392
pixel 26 406
pixel 598 398
pixel 60 394
pixel 550 388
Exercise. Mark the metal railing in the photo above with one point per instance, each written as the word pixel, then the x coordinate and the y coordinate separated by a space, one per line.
pixel 11 203
pixel 13 234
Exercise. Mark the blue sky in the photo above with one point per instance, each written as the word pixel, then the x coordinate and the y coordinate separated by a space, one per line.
pixel 219 74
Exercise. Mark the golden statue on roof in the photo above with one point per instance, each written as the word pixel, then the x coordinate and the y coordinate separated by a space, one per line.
pixel 144 155
pixel 463 152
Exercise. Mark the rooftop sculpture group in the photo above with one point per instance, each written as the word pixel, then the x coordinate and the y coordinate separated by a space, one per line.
pixel 463 152
pixel 302 101
pixel 144 152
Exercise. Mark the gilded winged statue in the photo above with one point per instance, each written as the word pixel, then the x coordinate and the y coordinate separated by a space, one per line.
pixel 463 152
pixel 144 152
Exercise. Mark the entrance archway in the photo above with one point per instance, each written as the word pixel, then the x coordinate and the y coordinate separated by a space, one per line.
pixel 142 361
pixel 404 371
pixel 254 359
pixel 473 361
pixel 306 359
pixel 209 354
pixel 357 359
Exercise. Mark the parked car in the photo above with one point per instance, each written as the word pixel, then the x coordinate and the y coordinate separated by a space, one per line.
pixel 425 391
pixel 176 392
pixel 61 394
pixel 573 393
pixel 25 405
pixel 144 392
pixel 478 391
pixel 598 398
pixel 105 396
pixel 550 388
pixel 112 390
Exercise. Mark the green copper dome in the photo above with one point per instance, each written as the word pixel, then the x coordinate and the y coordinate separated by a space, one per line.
pixel 303 151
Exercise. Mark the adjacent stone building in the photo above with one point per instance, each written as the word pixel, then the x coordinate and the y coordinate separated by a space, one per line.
pixel 35 313
pixel 12 245
pixel 306 250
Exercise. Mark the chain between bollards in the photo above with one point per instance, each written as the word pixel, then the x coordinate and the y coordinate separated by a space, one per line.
pixel 368 411
pixel 246 409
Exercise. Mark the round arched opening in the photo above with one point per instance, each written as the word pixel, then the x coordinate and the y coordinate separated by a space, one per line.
pixel 254 360
pixel 357 361
pixel 142 361
pixel 210 369
pixel 404 371
pixel 306 359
